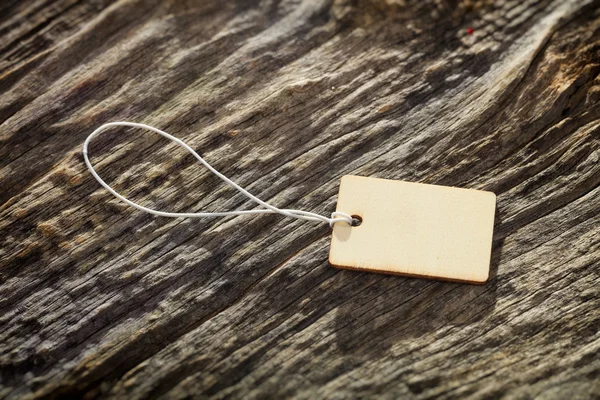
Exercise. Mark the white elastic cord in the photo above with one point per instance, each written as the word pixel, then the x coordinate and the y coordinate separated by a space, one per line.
pixel 305 215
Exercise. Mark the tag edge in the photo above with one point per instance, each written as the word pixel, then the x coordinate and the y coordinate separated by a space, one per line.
pixel 407 275
pixel 416 183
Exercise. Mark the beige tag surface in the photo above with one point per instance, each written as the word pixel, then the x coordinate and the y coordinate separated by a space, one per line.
pixel 414 229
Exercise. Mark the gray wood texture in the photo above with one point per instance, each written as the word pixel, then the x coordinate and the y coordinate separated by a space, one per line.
pixel 98 300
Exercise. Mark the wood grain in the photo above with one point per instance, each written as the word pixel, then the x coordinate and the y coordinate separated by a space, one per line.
pixel 100 301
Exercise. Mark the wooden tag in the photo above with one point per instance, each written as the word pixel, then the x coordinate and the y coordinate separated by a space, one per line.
pixel 414 229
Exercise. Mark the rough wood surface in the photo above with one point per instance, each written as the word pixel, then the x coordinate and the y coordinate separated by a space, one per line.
pixel 285 97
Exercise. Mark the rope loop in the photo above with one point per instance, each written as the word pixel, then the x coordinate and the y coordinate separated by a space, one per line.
pixel 268 208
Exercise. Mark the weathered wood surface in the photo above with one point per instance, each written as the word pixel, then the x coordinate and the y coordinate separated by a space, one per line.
pixel 285 97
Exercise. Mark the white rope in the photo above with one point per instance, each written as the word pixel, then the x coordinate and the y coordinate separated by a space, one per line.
pixel 305 215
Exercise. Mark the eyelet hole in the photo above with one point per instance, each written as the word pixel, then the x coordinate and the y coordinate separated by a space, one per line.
pixel 356 220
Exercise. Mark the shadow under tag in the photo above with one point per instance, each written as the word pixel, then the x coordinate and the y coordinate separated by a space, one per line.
pixel 414 229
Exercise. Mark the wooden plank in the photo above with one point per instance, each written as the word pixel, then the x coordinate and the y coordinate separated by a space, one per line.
pixel 99 300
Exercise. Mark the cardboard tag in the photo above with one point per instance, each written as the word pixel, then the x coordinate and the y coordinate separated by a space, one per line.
pixel 414 229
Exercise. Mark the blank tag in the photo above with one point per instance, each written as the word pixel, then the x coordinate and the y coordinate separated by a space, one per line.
pixel 414 229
